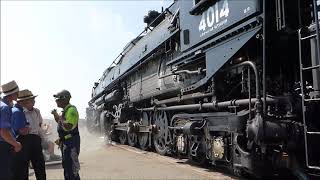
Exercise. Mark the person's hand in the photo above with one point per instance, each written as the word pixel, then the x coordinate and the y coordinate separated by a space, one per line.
pixel 54 112
pixel 58 143
pixel 17 147
pixel 55 115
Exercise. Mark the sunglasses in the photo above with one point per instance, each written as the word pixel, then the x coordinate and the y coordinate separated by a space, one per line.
pixel 58 99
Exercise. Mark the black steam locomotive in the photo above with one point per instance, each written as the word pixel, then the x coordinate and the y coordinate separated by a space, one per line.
pixel 231 83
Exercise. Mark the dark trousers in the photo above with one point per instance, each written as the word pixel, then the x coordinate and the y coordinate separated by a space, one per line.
pixel 6 155
pixel 31 151
pixel 70 152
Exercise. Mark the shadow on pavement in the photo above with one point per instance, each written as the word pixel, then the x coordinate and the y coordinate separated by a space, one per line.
pixel 54 165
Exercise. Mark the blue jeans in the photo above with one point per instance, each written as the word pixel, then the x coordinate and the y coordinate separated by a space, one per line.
pixel 70 152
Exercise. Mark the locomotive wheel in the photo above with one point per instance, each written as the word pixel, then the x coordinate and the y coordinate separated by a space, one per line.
pixel 161 134
pixel 142 136
pixel 132 139
pixel 123 138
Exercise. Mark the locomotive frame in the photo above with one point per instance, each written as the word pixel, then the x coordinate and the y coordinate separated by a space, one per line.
pixel 223 82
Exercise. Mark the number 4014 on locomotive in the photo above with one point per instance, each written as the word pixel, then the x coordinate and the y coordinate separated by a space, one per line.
pixel 231 83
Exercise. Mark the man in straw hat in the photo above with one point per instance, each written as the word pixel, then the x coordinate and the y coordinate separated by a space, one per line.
pixel 27 122
pixel 68 135
pixel 7 140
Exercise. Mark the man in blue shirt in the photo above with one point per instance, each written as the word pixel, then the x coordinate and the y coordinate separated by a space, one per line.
pixel 20 128
pixel 7 140
pixel 19 121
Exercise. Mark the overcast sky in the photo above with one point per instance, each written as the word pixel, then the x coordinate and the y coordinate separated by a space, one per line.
pixel 49 46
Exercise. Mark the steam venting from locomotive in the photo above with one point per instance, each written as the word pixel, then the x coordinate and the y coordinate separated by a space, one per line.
pixel 153 18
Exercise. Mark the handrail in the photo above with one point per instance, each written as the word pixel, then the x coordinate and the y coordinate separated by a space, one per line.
pixel 148 27
pixel 258 96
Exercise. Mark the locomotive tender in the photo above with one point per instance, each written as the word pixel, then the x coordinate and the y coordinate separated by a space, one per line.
pixel 231 83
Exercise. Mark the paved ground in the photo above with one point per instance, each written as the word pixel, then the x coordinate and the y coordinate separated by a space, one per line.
pixel 100 161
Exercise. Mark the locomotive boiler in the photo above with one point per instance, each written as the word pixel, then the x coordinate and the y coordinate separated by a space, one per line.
pixel 227 83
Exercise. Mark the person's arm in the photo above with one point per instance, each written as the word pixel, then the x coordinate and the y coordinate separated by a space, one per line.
pixel 6 135
pixel 67 125
pixel 19 123
pixel 72 118
pixel 55 115
pixel 5 128
pixel 41 130
pixel 60 119
pixel 40 118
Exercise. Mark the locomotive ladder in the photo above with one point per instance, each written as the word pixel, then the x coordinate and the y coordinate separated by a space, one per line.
pixel 314 35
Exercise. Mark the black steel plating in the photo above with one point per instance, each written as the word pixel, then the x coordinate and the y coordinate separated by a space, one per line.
pixel 233 83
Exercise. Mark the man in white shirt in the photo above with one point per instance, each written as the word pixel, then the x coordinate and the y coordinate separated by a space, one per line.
pixel 31 137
